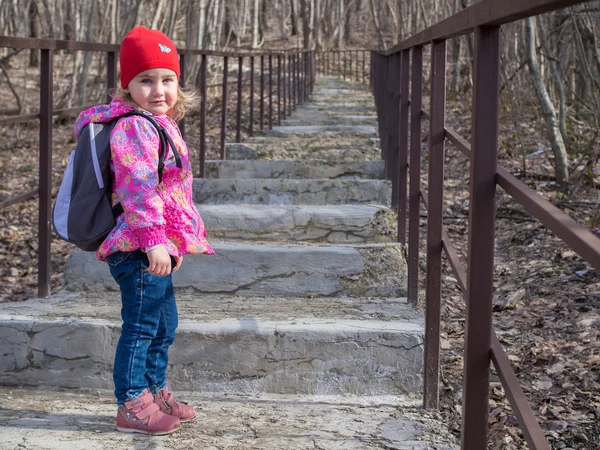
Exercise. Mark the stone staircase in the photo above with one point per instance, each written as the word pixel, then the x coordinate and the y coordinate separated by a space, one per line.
pixel 304 299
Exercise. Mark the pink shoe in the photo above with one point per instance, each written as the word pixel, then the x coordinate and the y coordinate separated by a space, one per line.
pixel 167 404
pixel 142 415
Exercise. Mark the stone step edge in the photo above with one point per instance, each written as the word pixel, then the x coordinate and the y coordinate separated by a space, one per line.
pixel 328 357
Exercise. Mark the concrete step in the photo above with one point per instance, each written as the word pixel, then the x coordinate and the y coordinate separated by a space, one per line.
pixel 308 148
pixel 74 420
pixel 331 121
pixel 269 269
pixel 312 346
pixel 322 130
pixel 332 224
pixel 341 109
pixel 292 192
pixel 282 169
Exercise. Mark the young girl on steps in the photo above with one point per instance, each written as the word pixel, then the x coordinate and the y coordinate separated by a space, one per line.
pixel 159 225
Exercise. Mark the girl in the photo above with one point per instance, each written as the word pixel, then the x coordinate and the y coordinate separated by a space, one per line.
pixel 159 225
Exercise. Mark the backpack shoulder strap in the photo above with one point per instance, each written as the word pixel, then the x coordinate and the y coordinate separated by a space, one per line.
pixel 164 139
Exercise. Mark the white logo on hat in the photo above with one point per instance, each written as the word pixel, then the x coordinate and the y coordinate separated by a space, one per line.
pixel 164 48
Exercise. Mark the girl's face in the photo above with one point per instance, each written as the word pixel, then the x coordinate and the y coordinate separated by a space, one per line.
pixel 154 90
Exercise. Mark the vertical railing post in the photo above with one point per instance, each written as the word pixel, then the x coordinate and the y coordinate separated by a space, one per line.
pixel 392 123
pixel 270 91
pixel 293 90
pixel 181 123
pixel 345 64
pixel 284 68
pixel 111 74
pixel 251 128
pixel 299 78
pixel 224 105
pixel 480 268
pixel 403 144
pixel 434 223
pixel 202 116
pixel 262 92
pixel 289 82
pixel 45 168
pixel 278 89
pixel 364 71
pixel 238 123
pixel 414 202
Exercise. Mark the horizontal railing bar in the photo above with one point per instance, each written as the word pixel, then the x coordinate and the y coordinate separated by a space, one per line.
pixel 453 258
pixel 57 44
pixel 582 241
pixel 56 112
pixel 74 109
pixel 455 262
pixel 19 198
pixel 461 143
pixel 527 421
pixel 483 13
pixel 530 427
pixel 18 119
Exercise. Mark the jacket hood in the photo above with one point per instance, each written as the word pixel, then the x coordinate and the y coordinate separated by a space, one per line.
pixel 101 113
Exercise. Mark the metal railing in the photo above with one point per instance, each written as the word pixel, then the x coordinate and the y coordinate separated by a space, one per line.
pixel 295 74
pixel 345 64
pixel 399 109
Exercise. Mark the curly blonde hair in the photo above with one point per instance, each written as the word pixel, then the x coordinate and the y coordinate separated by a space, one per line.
pixel 186 98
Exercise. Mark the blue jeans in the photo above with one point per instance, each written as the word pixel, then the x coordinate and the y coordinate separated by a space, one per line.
pixel 149 314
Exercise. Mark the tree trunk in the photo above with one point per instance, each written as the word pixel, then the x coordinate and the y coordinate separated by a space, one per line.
pixel 294 14
pixel 558 81
pixel 255 31
pixel 561 168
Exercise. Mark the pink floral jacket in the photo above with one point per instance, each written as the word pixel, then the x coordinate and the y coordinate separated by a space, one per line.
pixel 154 213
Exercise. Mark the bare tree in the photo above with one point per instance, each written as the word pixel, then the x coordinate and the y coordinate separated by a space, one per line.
pixel 561 161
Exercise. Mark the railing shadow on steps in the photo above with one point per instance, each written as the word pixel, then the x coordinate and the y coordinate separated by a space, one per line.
pixel 399 111
pixel 286 79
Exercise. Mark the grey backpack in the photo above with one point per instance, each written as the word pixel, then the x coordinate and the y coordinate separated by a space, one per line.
pixel 83 213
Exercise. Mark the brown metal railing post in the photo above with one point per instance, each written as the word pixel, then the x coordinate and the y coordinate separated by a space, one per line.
pixel 403 144
pixel 364 66
pixel 480 269
pixel 202 116
pixel 238 123
pixel 45 168
pixel 251 128
pixel 434 224
pixel 262 92
pixel 289 83
pixel 299 78
pixel 224 105
pixel 350 62
pixel 414 201
pixel 293 80
pixel 392 123
pixel 270 91
pixel 284 99
pixel 181 123
pixel 111 74
pixel 278 89
pixel 345 65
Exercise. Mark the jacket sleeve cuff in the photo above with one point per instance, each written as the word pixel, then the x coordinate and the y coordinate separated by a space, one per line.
pixel 150 236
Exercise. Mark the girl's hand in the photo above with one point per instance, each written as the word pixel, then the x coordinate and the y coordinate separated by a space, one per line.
pixel 178 260
pixel 160 261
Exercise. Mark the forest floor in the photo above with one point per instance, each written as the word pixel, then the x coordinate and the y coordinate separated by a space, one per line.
pixel 547 299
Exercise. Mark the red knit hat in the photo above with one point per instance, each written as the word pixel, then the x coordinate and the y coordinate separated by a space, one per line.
pixel 144 49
